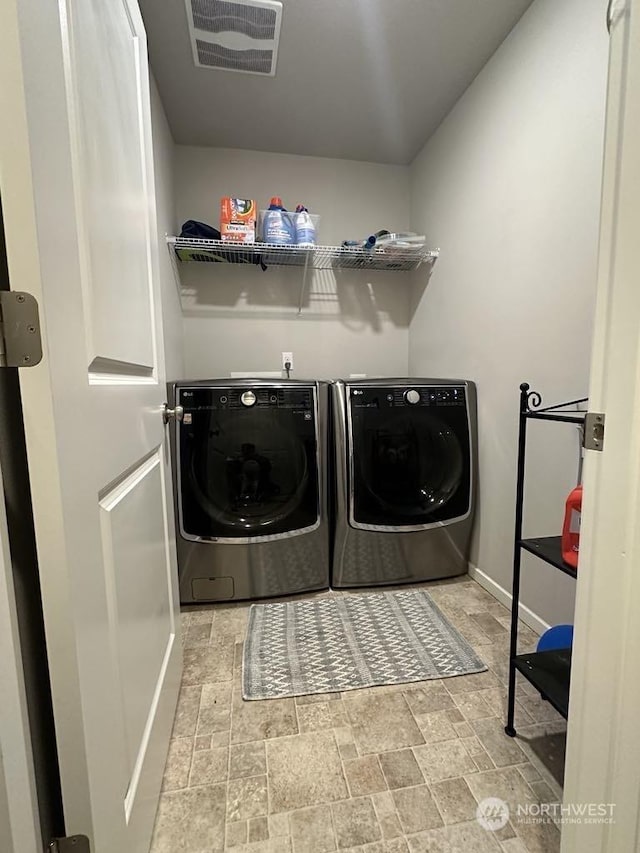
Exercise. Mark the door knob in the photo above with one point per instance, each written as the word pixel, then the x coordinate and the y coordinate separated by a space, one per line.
pixel 174 414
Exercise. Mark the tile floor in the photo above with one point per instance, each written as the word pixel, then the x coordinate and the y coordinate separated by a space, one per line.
pixel 396 769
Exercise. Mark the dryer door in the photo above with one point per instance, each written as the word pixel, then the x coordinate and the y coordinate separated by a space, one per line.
pixel 410 457
pixel 247 462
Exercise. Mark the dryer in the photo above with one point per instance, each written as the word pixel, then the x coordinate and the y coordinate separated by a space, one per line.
pixel 250 488
pixel 405 477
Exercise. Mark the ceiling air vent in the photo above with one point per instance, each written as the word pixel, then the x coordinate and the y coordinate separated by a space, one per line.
pixel 235 36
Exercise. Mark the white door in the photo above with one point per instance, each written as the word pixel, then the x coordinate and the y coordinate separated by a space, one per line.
pixel 78 198
pixel 603 751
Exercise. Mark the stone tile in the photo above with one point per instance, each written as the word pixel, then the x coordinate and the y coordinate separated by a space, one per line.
pixel 461 838
pixel 401 769
pixel 508 785
pixel 427 700
pixel 472 744
pixel 502 749
pixel 513 845
pixel 468 683
pixel 220 739
pixel 274 845
pixel 454 800
pixel 279 825
pixel 202 742
pixel 482 761
pixel 529 772
pixel 312 830
pixel 538 709
pixel 176 770
pixel 343 734
pixel 218 694
pixel 212 719
pixel 209 766
pixel 229 621
pixel 347 751
pixel 272 718
pixel 235 834
pixel 247 759
pixel 416 809
pixel 313 698
pixel 444 760
pixel 489 624
pixel 543 792
pixel 383 803
pixel 321 715
pixel 390 826
pixel 184 724
pixel 197 635
pixel 304 771
pixel 190 820
pixel 355 822
pixel 472 706
pixel 463 730
pixel 496 699
pixel 200 615
pixel 396 845
pixel 436 727
pixel 454 716
pixel 381 723
pixel 208 663
pixel 247 798
pixel 258 829
pixel 364 775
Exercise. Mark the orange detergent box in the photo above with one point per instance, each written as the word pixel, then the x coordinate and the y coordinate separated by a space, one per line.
pixel 238 218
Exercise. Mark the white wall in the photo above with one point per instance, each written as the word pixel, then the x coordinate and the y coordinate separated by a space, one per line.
pixel 165 209
pixel 241 319
pixel 509 188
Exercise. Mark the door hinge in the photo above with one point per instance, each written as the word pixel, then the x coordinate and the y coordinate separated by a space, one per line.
pixel 20 342
pixel 70 844
pixel 594 431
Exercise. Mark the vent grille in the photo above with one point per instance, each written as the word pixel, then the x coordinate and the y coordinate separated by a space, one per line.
pixel 218 16
pixel 235 35
pixel 217 56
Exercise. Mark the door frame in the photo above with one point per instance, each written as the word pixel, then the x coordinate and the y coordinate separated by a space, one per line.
pixel 603 748
pixel 19 816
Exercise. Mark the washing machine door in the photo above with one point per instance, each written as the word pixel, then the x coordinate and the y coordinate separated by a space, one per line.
pixel 248 462
pixel 410 457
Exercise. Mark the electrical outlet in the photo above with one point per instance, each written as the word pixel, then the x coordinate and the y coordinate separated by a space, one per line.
pixel 287 357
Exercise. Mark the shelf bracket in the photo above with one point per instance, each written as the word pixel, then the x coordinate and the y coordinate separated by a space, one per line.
pixel 303 286
pixel 594 431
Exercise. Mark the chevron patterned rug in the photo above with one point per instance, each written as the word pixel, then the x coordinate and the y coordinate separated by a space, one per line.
pixel 334 644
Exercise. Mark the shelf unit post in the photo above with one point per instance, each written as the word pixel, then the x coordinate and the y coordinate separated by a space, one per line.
pixel 517 556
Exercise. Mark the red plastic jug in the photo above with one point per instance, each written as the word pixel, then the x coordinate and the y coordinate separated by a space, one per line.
pixel 571 528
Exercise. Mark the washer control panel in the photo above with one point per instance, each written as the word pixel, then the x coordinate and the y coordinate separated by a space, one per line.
pixel 368 397
pixel 202 398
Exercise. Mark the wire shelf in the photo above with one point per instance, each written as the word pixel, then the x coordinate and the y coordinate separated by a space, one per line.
pixel 320 257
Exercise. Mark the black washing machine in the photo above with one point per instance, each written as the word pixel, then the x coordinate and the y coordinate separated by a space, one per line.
pixel 250 488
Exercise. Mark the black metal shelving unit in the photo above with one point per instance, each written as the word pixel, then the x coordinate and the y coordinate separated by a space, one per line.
pixel 548 671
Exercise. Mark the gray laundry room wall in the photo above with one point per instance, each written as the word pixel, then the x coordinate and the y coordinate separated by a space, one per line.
pixel 509 188
pixel 242 319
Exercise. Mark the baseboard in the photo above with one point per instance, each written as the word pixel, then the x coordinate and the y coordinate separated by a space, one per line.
pixel 504 597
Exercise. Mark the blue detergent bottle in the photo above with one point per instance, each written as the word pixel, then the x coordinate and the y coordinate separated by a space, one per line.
pixel 305 229
pixel 278 226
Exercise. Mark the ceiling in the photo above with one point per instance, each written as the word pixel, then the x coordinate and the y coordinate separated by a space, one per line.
pixel 356 79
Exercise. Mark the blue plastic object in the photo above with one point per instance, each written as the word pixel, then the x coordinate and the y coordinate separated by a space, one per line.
pixel 558 637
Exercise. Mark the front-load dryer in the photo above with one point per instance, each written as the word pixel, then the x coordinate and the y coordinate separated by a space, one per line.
pixel 405 477
pixel 250 488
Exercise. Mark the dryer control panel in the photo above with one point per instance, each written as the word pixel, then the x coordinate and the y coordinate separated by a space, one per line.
pixel 368 397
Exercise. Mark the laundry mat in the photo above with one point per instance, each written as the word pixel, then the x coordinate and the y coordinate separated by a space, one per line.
pixel 350 641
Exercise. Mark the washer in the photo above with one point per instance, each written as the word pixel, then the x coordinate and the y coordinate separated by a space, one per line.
pixel 250 488
pixel 405 477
